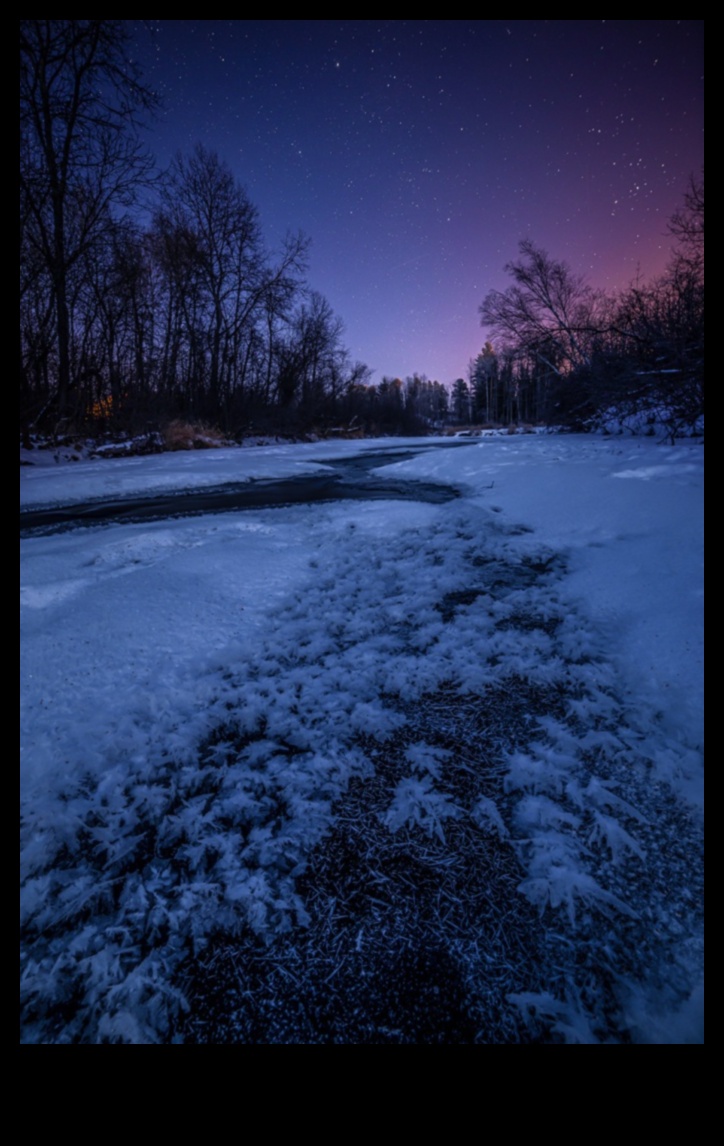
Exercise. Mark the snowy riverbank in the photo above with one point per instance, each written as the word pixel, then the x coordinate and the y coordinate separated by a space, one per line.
pixel 198 695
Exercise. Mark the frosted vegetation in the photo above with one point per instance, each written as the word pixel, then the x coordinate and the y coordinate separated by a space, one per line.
pixel 424 791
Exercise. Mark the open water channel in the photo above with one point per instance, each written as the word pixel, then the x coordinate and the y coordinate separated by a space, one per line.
pixel 344 478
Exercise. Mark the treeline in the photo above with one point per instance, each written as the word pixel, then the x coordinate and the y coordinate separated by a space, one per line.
pixel 572 355
pixel 131 317
pixel 148 297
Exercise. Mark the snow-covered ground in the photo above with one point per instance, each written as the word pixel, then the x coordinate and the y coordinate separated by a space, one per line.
pixel 198 694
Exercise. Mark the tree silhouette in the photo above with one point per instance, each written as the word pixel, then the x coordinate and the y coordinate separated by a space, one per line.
pixel 80 154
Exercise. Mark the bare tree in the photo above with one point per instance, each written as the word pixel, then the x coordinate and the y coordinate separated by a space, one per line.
pixel 80 102
pixel 549 312
pixel 687 227
pixel 209 235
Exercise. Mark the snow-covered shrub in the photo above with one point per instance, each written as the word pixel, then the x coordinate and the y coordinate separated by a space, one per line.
pixel 488 818
pixel 424 758
pixel 567 1018
pixel 417 804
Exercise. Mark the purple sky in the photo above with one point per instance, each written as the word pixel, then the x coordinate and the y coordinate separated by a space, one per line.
pixel 416 154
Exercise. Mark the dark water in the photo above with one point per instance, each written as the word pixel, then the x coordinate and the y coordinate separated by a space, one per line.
pixel 346 478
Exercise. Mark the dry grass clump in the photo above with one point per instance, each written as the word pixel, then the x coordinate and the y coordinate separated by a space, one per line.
pixel 180 435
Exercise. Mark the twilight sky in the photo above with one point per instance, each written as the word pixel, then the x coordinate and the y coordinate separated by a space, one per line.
pixel 416 154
